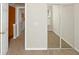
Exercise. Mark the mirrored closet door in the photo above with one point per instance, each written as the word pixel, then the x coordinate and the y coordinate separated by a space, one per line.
pixel 60 26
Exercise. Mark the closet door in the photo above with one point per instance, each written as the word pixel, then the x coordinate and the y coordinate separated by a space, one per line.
pixel 36 24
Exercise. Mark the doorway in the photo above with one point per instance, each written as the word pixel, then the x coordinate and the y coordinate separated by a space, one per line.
pixel 16 27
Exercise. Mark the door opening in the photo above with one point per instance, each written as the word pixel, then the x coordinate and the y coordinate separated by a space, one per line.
pixel 16 29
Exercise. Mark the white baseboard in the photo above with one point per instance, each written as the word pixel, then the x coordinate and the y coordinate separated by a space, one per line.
pixel 67 42
pixel 76 49
pixel 56 33
pixel 36 49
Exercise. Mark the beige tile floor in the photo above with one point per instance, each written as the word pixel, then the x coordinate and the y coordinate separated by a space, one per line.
pixel 17 48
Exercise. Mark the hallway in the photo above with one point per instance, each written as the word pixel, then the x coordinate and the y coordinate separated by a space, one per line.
pixel 17 48
pixel 54 41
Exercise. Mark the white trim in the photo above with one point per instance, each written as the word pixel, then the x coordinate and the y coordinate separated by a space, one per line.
pixel 45 48
pixel 14 31
pixel 68 42
pixel 4 52
pixel 36 49
pixel 1 29
pixel 16 22
pixel 58 34
pixel 25 26
pixel 60 27
pixel 58 48
pixel 76 49
pixel 5 49
pixel 73 28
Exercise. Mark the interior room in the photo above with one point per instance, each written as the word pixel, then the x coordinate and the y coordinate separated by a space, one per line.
pixel 40 29
pixel 16 26
pixel 13 25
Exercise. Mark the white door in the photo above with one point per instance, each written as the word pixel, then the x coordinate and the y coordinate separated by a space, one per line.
pixel 4 43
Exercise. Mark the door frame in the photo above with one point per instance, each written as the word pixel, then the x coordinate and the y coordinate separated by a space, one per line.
pixel 3 52
pixel 4 43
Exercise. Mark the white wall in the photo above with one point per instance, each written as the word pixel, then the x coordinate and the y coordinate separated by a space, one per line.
pixel 21 20
pixel 55 19
pixel 36 27
pixel 76 20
